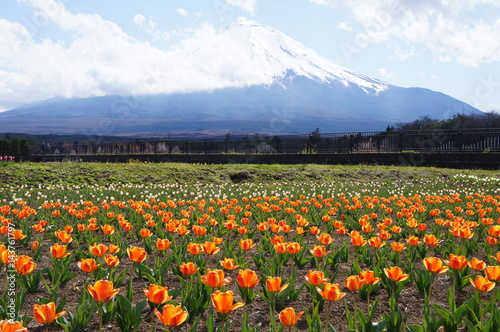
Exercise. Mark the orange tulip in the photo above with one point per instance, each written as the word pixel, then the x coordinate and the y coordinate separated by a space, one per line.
pixel 413 240
pixel 246 244
pixel 293 247
pixel 228 264
pixel 395 229
pixel 494 231
pixel 395 273
pixel 331 292
pixel 210 248
pixel 276 239
pixel 316 278
pixel 217 240
pixel 358 241
pixel 17 234
pixel 136 254
pixel 457 262
pixel 247 278
pixel 182 230
pixel 215 278
pixel 172 315
pixel 24 265
pixel 59 251
pixel 368 278
pixel 157 294
pixel 98 250
pixel 12 326
pixel 145 233
pixel 422 227
pixel 397 246
pixel 5 257
pixel 111 260
pixel 353 283
pixel 113 248
pixel 194 248
pixel 376 242
pixel 497 257
pixel 477 264
pixel 492 241
pixel 319 251
pixel 102 291
pixel 93 227
pixel 108 229
pixel 46 313
pixel 314 230
pixel 431 240
pixel 288 317
pixel 280 248
pixel 88 265
pixel 223 302
pixel 199 230
pixel 325 238
pixel 188 268
pixel 493 272
pixel 38 228
pixel 163 244
pixel 482 284
pixel 273 284
pixel 34 245
pixel 434 265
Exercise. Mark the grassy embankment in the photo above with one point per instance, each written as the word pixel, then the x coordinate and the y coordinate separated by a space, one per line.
pixel 33 174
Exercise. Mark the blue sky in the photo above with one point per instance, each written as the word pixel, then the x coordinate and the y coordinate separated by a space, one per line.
pixel 83 48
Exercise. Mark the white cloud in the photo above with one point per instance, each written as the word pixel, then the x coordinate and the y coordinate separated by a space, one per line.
pixel 246 5
pixel 182 12
pixel 404 54
pixel 384 72
pixel 150 27
pixel 346 26
pixel 101 59
pixel 449 28
pixel 139 19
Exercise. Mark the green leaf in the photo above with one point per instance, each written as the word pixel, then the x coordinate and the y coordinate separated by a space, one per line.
pixel 471 327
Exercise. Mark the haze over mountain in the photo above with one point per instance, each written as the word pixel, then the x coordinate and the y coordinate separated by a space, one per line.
pixel 247 78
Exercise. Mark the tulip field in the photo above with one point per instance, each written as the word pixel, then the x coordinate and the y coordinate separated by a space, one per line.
pixel 418 251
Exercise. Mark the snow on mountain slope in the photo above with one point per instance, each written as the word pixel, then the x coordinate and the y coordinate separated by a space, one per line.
pixel 247 53
pixel 246 78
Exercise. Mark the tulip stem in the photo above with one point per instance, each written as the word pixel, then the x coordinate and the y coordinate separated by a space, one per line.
pixel 100 316
pixel 480 323
pixel 328 314
pixel 273 310
pixel 152 321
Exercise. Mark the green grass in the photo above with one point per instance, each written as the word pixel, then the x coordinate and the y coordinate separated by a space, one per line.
pixel 34 174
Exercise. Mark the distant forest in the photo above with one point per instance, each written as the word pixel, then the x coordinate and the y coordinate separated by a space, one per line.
pixel 458 121
pixel 21 144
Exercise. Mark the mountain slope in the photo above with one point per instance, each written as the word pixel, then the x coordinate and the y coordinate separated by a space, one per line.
pixel 266 83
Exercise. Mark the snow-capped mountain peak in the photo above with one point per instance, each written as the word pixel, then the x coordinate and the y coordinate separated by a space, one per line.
pixel 247 53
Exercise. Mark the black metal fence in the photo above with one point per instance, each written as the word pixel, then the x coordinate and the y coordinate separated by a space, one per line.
pixel 470 140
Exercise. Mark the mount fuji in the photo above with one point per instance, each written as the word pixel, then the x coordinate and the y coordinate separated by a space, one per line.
pixel 249 78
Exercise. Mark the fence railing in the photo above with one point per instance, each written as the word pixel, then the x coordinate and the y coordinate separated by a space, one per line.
pixel 470 140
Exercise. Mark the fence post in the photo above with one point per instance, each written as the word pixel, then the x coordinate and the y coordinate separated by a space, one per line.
pixel 460 141
pixel 401 138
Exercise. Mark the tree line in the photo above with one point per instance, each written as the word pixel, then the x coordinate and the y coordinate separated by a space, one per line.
pixel 485 120
pixel 15 146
